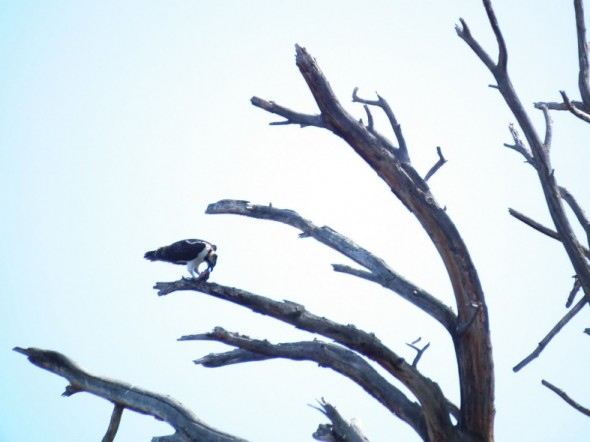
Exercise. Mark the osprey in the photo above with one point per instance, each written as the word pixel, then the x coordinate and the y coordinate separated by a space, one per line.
pixel 192 252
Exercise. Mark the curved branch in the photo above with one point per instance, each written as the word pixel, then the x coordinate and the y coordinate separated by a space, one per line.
pixel 472 348
pixel 381 273
pixel 188 427
pixel 434 404
pixel 339 359
pixel 562 394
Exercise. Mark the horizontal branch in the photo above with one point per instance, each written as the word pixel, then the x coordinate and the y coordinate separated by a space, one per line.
pixel 382 273
pixel 553 105
pixel 562 394
pixel 188 427
pixel 367 344
pixel 335 357
pixel 291 117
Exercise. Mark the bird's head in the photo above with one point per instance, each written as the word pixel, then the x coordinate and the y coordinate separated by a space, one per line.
pixel 211 259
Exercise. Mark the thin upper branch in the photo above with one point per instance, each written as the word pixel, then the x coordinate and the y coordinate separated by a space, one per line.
pixel 402 152
pixel 556 329
pixel 562 394
pixel 381 273
pixel 440 163
pixel 541 228
pixel 339 359
pixel 583 58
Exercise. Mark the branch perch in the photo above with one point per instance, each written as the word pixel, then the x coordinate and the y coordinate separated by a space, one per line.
pixel 380 272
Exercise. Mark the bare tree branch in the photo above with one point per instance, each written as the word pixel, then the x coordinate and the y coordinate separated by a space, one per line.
pixel 339 359
pixel 573 109
pixel 340 430
pixel 567 317
pixel 402 152
pixel 291 117
pixel 419 351
pixel 114 423
pixel 577 209
pixel 548 128
pixel 552 105
pixel 441 161
pixel 562 394
pixel 539 152
pixel 381 273
pixel 583 58
pixel 473 346
pixel 541 228
pixel 573 292
pixel 519 146
pixel 188 427
pixel 426 391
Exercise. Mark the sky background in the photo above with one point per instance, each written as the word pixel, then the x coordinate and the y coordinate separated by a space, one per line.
pixel 121 121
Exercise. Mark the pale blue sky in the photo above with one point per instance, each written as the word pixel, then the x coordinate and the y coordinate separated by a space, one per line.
pixel 121 121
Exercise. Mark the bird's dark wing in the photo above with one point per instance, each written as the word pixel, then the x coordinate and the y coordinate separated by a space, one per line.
pixel 181 252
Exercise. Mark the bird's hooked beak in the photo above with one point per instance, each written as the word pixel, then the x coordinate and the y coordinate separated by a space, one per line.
pixel 212 259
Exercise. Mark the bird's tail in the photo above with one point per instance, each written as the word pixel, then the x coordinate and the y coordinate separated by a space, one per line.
pixel 151 255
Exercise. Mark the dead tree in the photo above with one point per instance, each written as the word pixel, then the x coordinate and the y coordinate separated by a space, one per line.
pixel 352 352
pixel 536 151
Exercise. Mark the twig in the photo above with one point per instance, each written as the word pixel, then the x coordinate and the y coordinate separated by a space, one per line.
pixel 541 228
pixel 441 161
pixel 572 295
pixel 519 145
pixel 403 154
pixel 291 116
pixel 573 109
pixel 562 394
pixel 188 427
pixel 419 351
pixel 566 318
pixel 114 423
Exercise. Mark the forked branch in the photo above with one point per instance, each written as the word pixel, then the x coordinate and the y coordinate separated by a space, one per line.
pixel 434 404
pixel 335 357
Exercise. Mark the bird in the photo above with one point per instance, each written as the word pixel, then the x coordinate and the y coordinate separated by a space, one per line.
pixel 192 252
